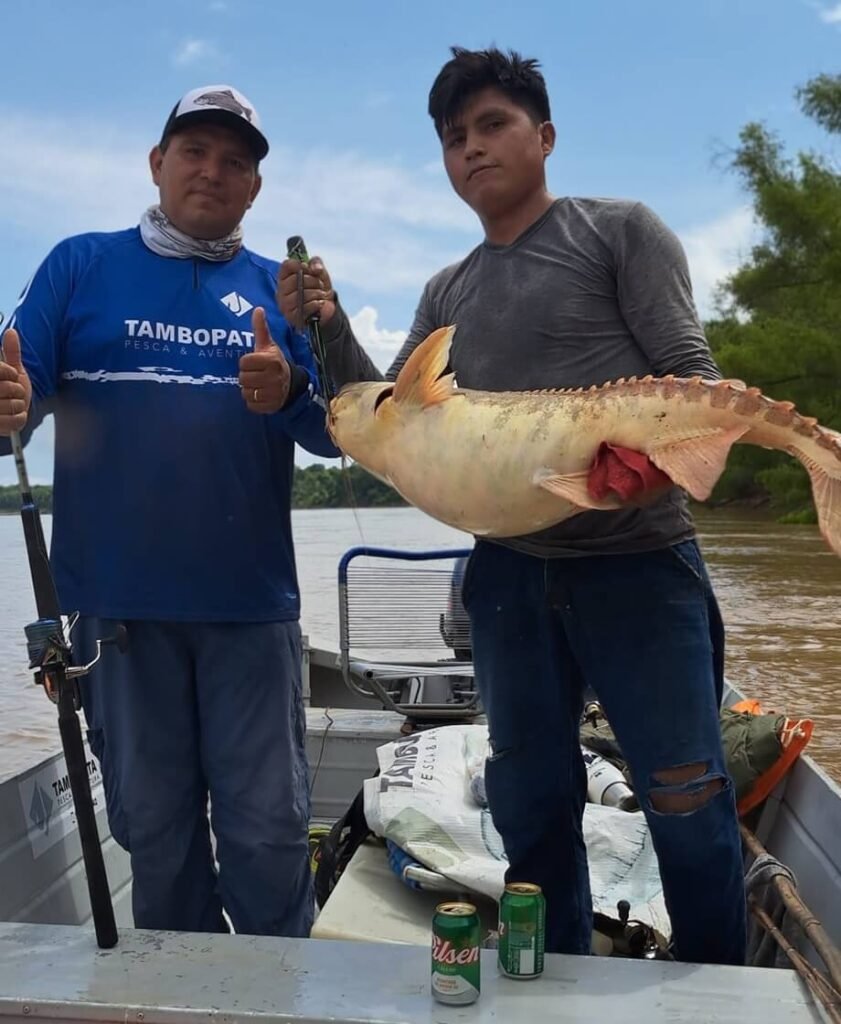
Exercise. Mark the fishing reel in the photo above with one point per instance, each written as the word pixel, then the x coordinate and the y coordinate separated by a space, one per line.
pixel 50 651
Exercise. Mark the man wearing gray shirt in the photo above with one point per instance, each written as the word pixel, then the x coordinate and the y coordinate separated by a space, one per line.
pixel 566 293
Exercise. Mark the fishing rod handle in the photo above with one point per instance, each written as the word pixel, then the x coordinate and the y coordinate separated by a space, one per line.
pixel 296 250
pixel 77 770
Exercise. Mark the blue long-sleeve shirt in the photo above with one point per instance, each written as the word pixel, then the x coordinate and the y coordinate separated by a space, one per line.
pixel 171 500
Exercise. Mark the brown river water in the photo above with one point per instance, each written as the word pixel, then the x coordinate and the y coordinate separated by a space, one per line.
pixel 779 588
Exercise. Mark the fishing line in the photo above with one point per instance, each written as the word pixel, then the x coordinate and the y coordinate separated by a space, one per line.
pixel 330 724
pixel 348 482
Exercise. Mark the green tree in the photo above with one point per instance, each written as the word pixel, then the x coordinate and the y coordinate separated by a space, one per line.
pixel 780 313
pixel 10 498
pixel 319 487
pixel 314 487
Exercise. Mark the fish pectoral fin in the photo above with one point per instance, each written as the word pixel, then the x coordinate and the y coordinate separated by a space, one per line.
pixel 696 463
pixel 573 487
pixel 420 382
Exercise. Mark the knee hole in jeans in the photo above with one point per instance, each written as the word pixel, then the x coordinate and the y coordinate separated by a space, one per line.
pixel 684 788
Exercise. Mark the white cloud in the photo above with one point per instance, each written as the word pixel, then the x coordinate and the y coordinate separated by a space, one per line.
pixel 378 225
pixel 831 15
pixel 377 100
pixel 715 250
pixel 192 51
pixel 38 455
pixel 52 166
pixel 381 344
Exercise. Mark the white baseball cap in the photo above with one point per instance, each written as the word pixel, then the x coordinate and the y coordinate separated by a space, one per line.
pixel 218 104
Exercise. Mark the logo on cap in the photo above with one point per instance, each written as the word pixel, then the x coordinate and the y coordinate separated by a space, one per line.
pixel 226 100
pixel 218 103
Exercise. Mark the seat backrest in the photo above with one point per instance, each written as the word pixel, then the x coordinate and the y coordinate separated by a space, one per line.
pixel 402 605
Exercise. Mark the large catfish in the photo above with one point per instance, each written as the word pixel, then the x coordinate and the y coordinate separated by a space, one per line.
pixel 501 464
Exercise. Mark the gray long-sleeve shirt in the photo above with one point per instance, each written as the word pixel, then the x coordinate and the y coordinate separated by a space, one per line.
pixel 595 290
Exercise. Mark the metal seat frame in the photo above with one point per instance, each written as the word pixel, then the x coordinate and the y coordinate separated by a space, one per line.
pixel 396 602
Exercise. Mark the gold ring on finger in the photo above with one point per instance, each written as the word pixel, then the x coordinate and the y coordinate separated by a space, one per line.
pixel 256 394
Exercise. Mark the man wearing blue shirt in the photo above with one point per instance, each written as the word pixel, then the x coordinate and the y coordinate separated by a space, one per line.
pixel 179 392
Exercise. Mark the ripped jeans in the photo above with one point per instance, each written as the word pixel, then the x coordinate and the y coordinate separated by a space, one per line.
pixel 642 631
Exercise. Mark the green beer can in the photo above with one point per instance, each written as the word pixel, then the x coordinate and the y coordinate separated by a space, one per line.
pixel 522 930
pixel 456 963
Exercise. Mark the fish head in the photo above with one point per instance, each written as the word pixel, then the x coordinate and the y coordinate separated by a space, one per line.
pixel 368 420
pixel 359 423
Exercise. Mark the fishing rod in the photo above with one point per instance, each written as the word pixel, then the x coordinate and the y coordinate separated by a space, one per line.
pixel 49 652
pixel 296 250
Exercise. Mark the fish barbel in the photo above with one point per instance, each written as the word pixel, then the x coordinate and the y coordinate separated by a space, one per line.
pixel 503 464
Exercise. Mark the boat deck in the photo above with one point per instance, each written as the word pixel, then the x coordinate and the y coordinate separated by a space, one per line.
pixel 56 973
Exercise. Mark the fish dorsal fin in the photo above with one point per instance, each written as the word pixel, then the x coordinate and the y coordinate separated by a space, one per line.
pixel 420 381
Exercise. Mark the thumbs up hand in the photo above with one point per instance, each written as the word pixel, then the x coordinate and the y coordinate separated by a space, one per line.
pixel 15 386
pixel 264 374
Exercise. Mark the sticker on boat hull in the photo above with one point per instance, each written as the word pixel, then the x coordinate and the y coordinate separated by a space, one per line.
pixel 47 803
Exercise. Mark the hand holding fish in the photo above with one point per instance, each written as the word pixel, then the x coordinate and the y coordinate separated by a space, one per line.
pixel 15 386
pixel 319 297
pixel 264 374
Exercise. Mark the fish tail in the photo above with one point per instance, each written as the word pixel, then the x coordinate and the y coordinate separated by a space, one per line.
pixel 817 448
pixel 825 474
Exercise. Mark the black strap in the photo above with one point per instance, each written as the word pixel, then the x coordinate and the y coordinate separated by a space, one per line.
pixel 335 850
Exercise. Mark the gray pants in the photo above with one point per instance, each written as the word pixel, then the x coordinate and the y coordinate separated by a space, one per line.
pixel 198 710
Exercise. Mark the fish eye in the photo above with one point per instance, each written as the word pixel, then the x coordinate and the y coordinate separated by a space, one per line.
pixel 381 397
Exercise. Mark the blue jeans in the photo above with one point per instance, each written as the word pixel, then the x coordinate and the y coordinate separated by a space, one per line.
pixel 644 632
pixel 192 711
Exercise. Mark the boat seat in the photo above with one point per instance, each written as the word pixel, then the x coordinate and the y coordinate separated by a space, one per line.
pixel 404 637
pixel 371 904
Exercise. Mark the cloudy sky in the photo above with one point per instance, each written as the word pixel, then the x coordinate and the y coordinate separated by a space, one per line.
pixel 646 95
